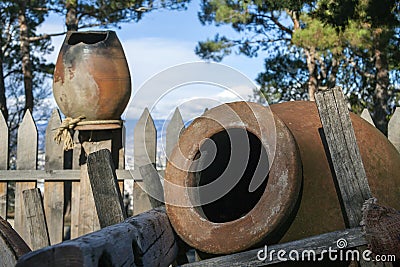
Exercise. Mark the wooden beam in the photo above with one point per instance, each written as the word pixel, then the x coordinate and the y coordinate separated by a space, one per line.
pixel 347 163
pixel 354 238
pixel 143 240
pixel 12 246
pixel 105 188
pixel 35 219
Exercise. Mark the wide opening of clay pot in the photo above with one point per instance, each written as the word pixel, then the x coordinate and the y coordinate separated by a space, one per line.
pixel 86 37
pixel 231 155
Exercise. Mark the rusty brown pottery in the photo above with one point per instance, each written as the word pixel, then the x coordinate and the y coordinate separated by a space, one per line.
pixel 91 77
pixel 305 205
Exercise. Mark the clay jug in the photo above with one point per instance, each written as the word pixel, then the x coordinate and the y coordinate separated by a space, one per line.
pixel 91 77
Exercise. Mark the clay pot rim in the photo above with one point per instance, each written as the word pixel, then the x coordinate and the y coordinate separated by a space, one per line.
pixel 263 224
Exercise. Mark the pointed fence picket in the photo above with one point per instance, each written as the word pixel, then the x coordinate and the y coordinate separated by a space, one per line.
pixel 62 168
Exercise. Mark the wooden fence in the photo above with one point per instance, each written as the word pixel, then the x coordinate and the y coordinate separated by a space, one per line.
pixel 62 167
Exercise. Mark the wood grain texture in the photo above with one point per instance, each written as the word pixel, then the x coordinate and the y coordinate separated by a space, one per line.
pixel 54 191
pixel 91 141
pixel 105 188
pixel 3 164
pixel 12 246
pixel 27 142
pixel 152 185
pixel 349 170
pixel 143 240
pixel 354 238
pixel 35 219
pixel 344 152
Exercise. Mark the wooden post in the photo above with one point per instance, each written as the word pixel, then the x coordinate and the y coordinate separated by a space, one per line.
pixel 347 163
pixel 3 164
pixel 35 219
pixel 145 148
pixel 54 191
pixel 91 141
pixel 152 185
pixel 26 160
pixel 394 129
pixel 75 191
pixel 12 246
pixel 106 192
pixel 143 240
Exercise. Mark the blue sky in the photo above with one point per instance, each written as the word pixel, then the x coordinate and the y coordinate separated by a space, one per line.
pixel 164 39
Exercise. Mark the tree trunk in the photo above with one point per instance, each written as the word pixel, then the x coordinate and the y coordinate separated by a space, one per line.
pixel 312 70
pixel 71 20
pixel 381 96
pixel 25 54
pixel 3 100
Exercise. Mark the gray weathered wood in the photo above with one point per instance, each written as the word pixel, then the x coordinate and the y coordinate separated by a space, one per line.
pixel 353 236
pixel 152 185
pixel 12 247
pixel 35 219
pixel 345 155
pixel 3 164
pixel 145 149
pixel 367 116
pixel 143 240
pixel 394 129
pixel 105 188
pixel 54 191
pixel 75 188
pixel 92 141
pixel 174 130
pixel 59 175
pixel 26 160
pixel 145 140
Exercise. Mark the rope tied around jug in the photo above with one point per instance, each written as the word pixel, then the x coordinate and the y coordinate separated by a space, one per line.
pixel 63 133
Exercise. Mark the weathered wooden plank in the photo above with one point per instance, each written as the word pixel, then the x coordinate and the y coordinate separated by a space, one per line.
pixel 107 197
pixel 354 238
pixel 35 218
pixel 145 140
pixel 3 164
pixel 26 160
pixel 152 185
pixel 58 175
pixel 174 130
pixel 54 191
pixel 91 141
pixel 145 149
pixel 345 155
pixel 12 246
pixel 394 129
pixel 143 240
pixel 367 116
pixel 75 190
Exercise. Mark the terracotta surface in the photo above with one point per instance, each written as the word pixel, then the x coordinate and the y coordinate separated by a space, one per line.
pixel 92 77
pixel 277 200
pixel 319 210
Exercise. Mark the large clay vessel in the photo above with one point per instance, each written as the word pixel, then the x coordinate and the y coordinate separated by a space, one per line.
pixel 308 203
pixel 91 77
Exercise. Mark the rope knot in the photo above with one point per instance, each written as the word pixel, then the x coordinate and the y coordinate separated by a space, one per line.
pixel 63 134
